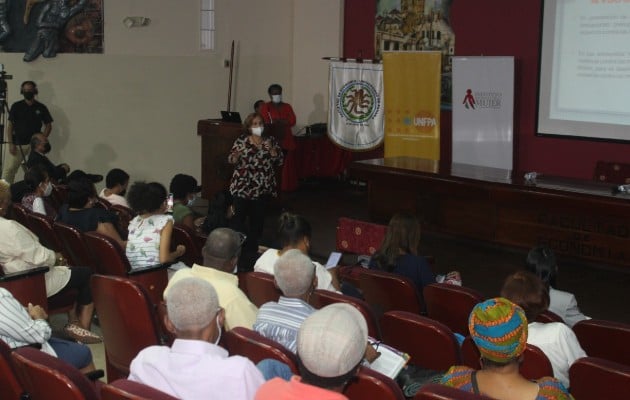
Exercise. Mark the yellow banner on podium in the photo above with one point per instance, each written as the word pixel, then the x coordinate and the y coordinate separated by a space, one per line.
pixel 412 104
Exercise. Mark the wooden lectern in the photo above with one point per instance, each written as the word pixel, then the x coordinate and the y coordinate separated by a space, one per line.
pixel 217 138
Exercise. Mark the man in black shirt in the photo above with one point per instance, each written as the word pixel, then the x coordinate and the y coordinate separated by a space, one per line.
pixel 39 148
pixel 26 118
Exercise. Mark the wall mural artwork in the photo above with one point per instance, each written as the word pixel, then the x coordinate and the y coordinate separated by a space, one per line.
pixel 47 27
pixel 416 25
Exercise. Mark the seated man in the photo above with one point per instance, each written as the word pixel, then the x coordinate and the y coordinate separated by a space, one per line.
pixel 39 148
pixel 220 255
pixel 23 327
pixel 195 367
pixel 294 275
pixel 330 347
pixel 116 183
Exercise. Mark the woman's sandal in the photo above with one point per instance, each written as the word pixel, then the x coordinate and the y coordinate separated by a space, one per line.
pixel 81 335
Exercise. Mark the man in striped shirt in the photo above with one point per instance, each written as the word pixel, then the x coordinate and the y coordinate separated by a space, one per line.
pixel 294 274
pixel 20 326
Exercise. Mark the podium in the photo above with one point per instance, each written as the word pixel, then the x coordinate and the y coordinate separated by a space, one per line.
pixel 217 138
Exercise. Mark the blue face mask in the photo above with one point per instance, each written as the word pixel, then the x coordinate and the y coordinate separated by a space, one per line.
pixel 191 201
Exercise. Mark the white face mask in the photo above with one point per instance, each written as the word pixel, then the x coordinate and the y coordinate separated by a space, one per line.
pixel 191 201
pixel 216 342
pixel 276 98
pixel 48 189
pixel 257 130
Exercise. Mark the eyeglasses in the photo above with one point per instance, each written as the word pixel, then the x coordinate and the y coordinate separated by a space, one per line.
pixel 242 238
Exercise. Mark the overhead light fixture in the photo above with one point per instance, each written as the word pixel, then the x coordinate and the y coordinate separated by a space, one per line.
pixel 135 22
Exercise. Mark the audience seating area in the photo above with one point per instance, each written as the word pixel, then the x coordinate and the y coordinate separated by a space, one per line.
pixel 420 324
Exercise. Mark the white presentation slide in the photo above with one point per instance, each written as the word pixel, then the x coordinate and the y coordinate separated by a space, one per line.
pixel 585 69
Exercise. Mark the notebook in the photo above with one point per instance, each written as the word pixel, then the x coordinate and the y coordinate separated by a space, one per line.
pixel 390 362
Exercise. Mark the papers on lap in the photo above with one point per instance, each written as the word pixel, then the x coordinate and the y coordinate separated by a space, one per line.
pixel 390 361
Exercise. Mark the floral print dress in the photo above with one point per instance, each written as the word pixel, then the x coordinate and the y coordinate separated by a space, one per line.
pixel 143 246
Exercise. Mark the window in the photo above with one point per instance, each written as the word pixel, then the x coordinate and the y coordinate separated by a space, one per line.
pixel 207 25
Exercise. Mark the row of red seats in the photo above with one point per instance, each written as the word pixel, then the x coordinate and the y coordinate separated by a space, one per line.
pixel 30 373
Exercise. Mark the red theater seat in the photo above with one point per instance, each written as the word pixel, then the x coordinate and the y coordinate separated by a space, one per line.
pixel 430 343
pixel 451 305
pixel 248 343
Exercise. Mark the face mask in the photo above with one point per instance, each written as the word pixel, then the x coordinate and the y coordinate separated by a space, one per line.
pixel 276 98
pixel 29 95
pixel 123 193
pixel 191 201
pixel 216 342
pixel 48 189
pixel 257 131
pixel 46 148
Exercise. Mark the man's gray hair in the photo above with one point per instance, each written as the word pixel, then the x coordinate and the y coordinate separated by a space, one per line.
pixel 294 273
pixel 36 139
pixel 191 304
pixel 222 245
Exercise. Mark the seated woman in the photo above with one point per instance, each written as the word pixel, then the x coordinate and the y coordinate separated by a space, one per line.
pixel 294 232
pixel 150 232
pixel 399 252
pixel 184 189
pixel 37 186
pixel 499 329
pixel 555 339
pixel 81 213
pixel 541 261
pixel 21 326
pixel 20 250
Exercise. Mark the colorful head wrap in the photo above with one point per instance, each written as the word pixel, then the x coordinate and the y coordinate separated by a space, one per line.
pixel 499 329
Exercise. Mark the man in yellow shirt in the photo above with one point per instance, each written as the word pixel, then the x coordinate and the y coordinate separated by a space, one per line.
pixel 220 256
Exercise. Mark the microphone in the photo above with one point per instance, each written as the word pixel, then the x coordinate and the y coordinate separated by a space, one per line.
pixel 625 189
pixel 530 178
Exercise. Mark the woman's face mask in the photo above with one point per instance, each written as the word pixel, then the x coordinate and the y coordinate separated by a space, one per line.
pixel 48 189
pixel 276 98
pixel 257 130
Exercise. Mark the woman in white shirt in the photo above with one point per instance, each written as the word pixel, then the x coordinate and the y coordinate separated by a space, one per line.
pixel 555 339
pixel 294 232
pixel 541 261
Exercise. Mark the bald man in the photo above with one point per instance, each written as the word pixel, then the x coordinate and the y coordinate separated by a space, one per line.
pixel 195 367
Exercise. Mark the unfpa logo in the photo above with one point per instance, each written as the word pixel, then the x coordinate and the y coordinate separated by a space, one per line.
pixel 423 121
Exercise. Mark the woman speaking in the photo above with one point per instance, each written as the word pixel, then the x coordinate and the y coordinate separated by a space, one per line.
pixel 255 157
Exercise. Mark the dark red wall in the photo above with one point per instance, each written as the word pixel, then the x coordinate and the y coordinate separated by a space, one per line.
pixel 499 28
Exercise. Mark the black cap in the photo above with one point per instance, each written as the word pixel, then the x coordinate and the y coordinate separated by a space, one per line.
pixel 78 174
pixel 182 184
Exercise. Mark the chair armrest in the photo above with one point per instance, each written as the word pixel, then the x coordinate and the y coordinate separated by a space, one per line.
pixel 24 274
pixel 150 268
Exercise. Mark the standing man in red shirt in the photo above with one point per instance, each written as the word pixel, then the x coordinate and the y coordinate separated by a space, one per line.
pixel 279 113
